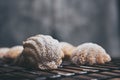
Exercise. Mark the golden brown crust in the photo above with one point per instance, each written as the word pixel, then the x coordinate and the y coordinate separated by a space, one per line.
pixel 89 53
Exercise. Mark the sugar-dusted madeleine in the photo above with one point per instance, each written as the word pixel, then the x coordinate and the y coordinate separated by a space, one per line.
pixel 89 53
pixel 41 51
pixel 13 53
pixel 67 49
pixel 3 51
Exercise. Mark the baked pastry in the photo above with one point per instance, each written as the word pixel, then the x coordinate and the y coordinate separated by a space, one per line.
pixel 41 51
pixel 89 53
pixel 13 53
pixel 67 49
pixel 3 52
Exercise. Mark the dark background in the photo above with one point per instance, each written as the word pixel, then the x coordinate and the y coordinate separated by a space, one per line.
pixel 74 21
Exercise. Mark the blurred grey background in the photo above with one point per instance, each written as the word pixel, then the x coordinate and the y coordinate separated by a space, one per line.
pixel 74 21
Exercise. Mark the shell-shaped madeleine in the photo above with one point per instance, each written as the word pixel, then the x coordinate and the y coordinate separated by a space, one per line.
pixel 41 51
pixel 89 53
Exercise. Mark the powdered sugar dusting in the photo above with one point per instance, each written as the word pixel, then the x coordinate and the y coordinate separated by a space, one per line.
pixel 48 51
pixel 89 53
